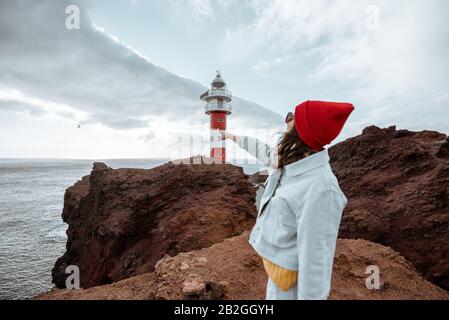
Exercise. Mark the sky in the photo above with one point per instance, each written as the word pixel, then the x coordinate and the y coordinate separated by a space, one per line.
pixel 132 74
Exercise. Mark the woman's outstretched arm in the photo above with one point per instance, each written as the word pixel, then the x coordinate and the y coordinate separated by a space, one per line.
pixel 258 149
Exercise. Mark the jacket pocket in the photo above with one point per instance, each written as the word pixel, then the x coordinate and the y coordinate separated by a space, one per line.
pixel 284 224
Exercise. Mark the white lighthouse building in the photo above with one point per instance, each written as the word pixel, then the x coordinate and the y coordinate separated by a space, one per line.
pixel 218 106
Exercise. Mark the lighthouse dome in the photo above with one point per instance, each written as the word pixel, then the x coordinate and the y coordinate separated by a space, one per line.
pixel 218 82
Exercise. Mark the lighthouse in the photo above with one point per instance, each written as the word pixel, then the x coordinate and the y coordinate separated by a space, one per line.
pixel 218 106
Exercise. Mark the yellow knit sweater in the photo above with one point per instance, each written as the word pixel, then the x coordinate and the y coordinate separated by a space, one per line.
pixel 283 278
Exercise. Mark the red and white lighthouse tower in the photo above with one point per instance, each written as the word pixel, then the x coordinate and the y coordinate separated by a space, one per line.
pixel 218 106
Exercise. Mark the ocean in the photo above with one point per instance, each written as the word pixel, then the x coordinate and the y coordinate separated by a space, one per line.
pixel 32 233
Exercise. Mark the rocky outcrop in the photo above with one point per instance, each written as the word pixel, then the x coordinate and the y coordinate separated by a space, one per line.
pixel 121 222
pixel 232 270
pixel 397 183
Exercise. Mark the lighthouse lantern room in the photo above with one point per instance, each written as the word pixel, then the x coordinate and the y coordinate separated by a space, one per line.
pixel 218 106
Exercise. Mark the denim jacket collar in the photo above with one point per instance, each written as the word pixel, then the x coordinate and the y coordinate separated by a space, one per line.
pixel 304 165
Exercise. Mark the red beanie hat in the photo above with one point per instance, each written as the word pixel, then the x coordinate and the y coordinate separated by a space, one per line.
pixel 318 123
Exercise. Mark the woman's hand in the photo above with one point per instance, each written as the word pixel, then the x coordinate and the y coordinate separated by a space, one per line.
pixel 226 135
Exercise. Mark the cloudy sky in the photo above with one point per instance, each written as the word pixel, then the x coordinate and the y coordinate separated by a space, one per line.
pixel 133 73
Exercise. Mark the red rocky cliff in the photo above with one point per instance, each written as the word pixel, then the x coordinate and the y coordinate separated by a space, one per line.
pixel 397 183
pixel 121 222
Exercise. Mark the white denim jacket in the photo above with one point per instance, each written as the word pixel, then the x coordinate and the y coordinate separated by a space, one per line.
pixel 299 217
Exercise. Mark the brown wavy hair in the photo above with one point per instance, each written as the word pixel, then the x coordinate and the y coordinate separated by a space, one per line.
pixel 291 148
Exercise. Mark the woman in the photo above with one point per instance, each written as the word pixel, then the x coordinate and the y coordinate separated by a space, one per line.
pixel 300 212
